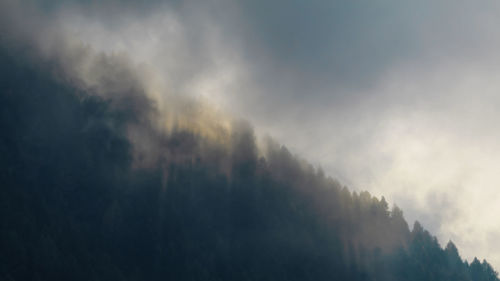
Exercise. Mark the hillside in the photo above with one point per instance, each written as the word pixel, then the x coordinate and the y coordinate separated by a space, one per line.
pixel 75 205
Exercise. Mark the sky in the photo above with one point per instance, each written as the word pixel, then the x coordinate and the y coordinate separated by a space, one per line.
pixel 399 98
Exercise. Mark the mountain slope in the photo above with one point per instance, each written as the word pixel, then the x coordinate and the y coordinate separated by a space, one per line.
pixel 74 205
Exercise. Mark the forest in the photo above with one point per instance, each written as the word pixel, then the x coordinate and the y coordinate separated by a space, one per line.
pixel 74 204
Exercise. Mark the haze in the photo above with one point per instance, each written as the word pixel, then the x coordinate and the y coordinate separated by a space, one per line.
pixel 398 98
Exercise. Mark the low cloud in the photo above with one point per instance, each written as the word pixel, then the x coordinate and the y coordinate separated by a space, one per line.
pixel 397 98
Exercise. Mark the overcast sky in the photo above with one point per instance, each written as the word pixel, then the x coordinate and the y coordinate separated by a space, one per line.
pixel 399 98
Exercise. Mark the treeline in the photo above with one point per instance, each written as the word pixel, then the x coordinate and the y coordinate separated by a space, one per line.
pixel 73 206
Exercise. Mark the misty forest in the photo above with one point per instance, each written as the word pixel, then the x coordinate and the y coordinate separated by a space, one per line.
pixel 92 189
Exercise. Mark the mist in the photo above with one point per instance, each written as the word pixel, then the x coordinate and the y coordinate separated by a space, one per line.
pixel 186 93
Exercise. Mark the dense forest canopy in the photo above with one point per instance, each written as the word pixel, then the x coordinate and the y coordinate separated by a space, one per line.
pixel 76 205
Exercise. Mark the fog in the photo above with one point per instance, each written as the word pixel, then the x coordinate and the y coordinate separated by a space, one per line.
pixel 393 97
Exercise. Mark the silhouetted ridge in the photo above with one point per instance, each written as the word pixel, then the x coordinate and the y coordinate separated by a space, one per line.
pixel 73 206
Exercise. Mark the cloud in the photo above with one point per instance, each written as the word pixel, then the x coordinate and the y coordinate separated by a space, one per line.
pixel 395 97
